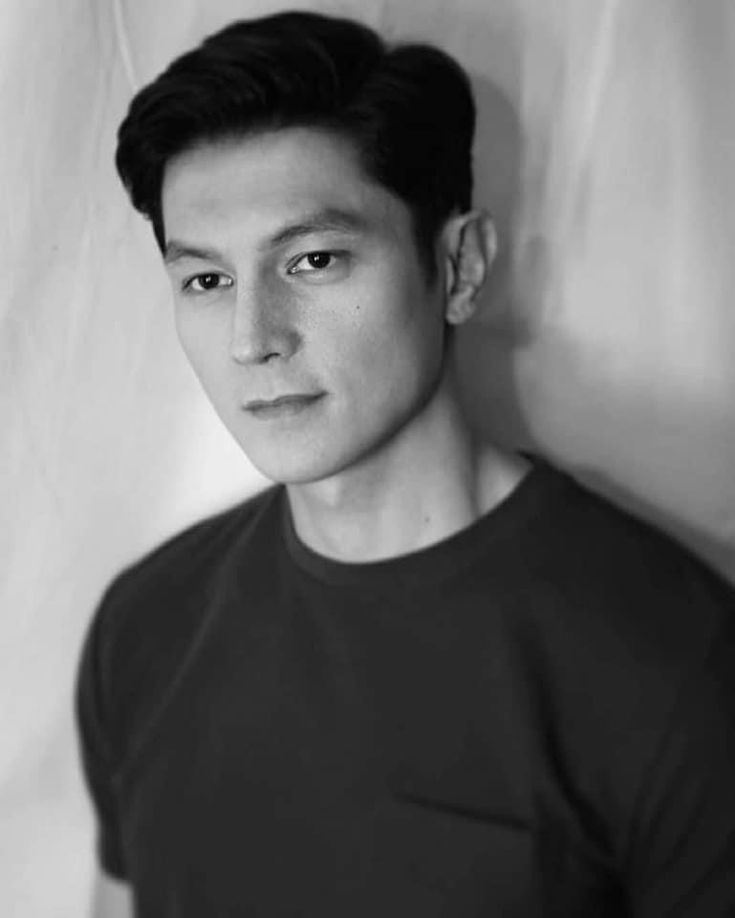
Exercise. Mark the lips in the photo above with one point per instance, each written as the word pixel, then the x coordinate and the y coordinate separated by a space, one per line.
pixel 283 407
pixel 258 404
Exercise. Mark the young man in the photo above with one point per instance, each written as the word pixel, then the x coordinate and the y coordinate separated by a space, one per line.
pixel 418 676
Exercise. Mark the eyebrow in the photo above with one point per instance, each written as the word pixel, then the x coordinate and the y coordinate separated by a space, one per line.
pixel 330 219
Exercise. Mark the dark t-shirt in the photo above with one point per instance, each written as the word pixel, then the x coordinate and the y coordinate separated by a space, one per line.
pixel 535 716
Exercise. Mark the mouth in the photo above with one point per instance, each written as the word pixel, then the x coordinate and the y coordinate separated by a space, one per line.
pixel 284 406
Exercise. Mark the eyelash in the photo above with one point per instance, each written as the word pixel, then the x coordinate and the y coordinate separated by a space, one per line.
pixel 188 285
pixel 332 255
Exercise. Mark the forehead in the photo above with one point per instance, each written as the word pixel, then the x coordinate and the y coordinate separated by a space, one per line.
pixel 256 184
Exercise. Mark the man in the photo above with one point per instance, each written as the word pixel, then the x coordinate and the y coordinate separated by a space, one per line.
pixel 420 675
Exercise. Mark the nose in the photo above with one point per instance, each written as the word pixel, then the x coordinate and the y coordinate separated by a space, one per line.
pixel 262 329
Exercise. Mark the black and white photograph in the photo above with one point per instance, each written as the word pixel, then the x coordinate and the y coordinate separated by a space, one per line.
pixel 367 474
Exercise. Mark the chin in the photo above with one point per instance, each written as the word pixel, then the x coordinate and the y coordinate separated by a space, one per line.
pixel 298 457
pixel 294 469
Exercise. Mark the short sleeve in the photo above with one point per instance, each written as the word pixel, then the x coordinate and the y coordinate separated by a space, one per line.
pixel 95 751
pixel 682 860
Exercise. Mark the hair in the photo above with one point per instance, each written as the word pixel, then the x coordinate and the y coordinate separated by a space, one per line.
pixel 407 109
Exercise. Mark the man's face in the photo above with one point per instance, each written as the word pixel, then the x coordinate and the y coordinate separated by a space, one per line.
pixel 294 274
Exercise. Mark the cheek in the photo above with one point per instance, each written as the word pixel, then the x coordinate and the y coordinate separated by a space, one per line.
pixel 202 342
pixel 387 344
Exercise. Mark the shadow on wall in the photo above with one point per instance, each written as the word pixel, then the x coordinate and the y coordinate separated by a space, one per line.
pixel 718 553
pixel 486 350
pixel 519 371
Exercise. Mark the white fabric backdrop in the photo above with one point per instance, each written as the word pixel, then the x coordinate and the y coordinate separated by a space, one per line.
pixel 607 340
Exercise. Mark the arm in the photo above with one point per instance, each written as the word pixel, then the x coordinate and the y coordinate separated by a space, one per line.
pixel 682 854
pixel 112 895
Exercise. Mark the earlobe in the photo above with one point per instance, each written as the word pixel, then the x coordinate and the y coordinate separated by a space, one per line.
pixel 471 246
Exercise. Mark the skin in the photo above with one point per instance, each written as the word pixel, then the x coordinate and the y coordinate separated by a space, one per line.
pixel 295 273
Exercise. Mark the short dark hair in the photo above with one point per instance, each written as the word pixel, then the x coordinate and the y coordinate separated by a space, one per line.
pixel 408 110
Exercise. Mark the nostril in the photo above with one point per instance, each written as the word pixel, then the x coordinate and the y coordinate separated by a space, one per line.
pixel 253 353
pixel 261 344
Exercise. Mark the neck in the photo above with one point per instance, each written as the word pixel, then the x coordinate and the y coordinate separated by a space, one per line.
pixel 430 480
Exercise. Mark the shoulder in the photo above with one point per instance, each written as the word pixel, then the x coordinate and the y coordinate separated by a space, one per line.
pixel 154 612
pixel 616 574
pixel 625 644
pixel 616 621
pixel 172 582
pixel 192 556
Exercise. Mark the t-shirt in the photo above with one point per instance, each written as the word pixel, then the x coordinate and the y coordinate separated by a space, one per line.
pixel 532 717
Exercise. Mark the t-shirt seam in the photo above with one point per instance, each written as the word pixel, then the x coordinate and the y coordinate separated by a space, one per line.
pixel 130 751
pixel 514 519
pixel 143 736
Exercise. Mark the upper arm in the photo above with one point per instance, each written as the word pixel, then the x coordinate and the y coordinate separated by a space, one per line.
pixel 97 759
pixel 683 856
pixel 112 898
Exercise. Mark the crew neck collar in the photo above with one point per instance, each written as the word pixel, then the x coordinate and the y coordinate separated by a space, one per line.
pixel 435 562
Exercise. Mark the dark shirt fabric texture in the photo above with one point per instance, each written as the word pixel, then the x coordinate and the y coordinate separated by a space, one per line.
pixel 533 717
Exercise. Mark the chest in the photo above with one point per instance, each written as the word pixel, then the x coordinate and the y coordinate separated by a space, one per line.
pixel 308 768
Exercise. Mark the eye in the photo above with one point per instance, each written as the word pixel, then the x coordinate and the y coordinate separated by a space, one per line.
pixel 205 283
pixel 313 261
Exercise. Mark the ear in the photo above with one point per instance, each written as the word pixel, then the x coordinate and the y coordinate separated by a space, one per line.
pixel 470 244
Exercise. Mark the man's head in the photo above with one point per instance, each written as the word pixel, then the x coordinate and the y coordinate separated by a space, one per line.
pixel 309 191
pixel 407 111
